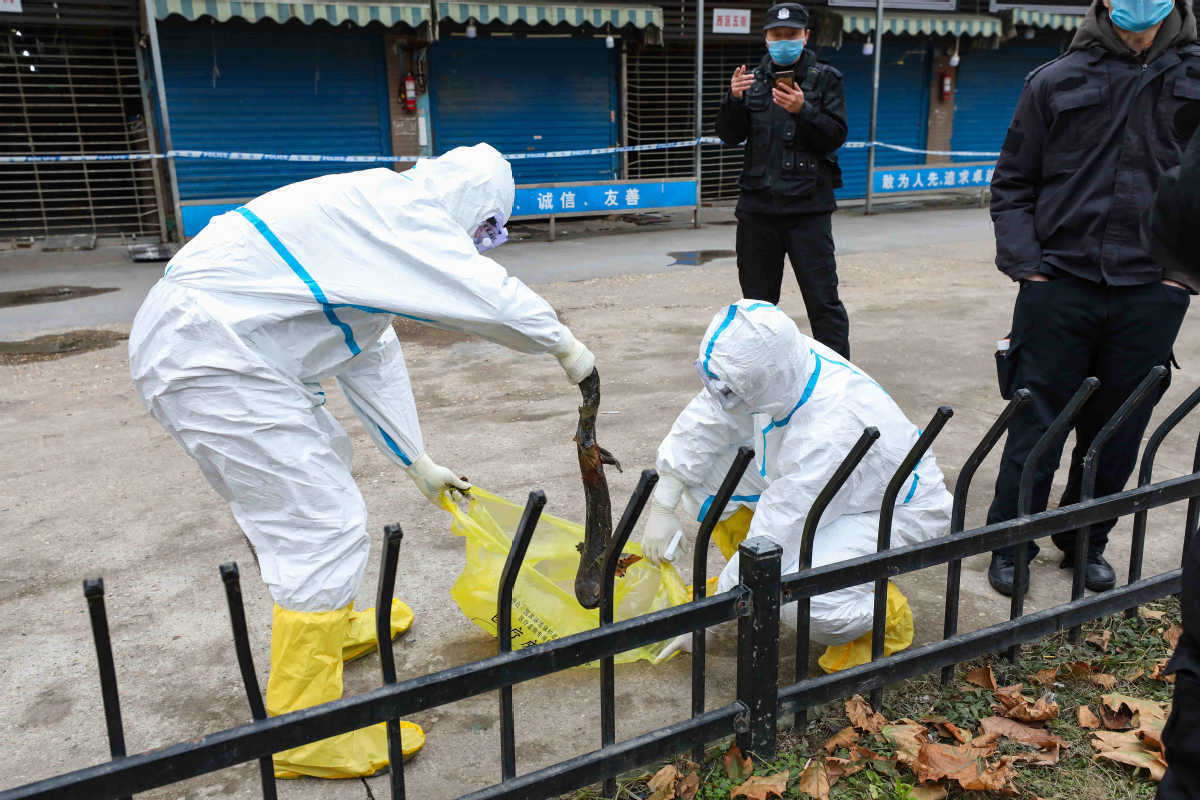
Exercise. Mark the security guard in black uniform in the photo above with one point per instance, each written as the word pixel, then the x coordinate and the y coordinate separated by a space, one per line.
pixel 792 130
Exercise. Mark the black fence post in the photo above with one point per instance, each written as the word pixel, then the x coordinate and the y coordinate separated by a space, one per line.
pixel 700 575
pixel 907 467
pixel 803 605
pixel 608 675
pixel 508 579
pixel 1055 433
pixel 93 590
pixel 392 536
pixel 241 644
pixel 1138 543
pixel 1087 487
pixel 758 646
pixel 958 513
pixel 1193 507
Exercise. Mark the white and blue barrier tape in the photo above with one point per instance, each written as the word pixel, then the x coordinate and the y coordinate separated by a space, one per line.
pixel 223 155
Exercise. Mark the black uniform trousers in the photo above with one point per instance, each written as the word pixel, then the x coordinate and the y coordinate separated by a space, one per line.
pixel 1065 330
pixel 807 239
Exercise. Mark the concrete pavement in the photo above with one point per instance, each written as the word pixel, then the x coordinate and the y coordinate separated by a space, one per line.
pixel 92 486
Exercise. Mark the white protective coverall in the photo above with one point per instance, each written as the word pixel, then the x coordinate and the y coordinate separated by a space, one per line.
pixel 300 285
pixel 804 407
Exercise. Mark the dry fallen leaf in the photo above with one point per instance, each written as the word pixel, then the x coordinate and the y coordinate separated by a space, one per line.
pixel 737 766
pixel 663 783
pixel 1087 719
pixel 1101 639
pixel 937 761
pixel 814 780
pixel 983 677
pixel 759 787
pixel 843 738
pixel 838 768
pixel 1140 711
pixel 1045 677
pixel 1158 674
pixel 1134 675
pixel 1151 736
pixel 1079 669
pixel 907 739
pixel 994 778
pixel 928 791
pixel 687 787
pixel 1105 682
pixel 1172 635
pixel 1020 732
pixel 1016 706
pixel 952 731
pixel 862 716
pixel 1151 614
pixel 625 562
pixel 1126 748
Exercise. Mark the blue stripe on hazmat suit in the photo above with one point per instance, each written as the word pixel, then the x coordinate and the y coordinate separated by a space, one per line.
pixel 806 408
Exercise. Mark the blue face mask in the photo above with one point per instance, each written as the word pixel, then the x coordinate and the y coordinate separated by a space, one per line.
pixel 788 51
pixel 1139 15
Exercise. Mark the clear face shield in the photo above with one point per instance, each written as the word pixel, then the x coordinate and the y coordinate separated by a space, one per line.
pixel 491 234
pixel 720 390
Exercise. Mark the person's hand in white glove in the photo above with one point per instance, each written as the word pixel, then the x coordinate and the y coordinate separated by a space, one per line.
pixel 433 479
pixel 683 644
pixel 661 523
pixel 576 360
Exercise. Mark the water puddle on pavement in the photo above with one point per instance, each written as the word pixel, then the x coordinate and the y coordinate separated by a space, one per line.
pixel 49 294
pixel 57 345
pixel 694 258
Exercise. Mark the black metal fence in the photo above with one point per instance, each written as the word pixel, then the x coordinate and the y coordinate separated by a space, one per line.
pixel 755 604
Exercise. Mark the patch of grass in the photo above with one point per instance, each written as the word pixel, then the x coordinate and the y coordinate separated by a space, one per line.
pixel 1134 645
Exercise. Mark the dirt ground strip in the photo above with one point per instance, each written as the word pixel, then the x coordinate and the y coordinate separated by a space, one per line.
pixel 92 486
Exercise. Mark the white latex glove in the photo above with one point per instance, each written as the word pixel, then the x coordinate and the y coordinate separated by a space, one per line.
pixel 660 522
pixel 660 529
pixel 433 479
pixel 576 360
pixel 683 644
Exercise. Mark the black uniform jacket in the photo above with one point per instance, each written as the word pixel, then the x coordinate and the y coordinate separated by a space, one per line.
pixel 1093 133
pixel 790 165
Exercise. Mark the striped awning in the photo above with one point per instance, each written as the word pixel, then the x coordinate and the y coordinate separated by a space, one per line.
pixel 1043 19
pixel 596 16
pixel 411 14
pixel 916 23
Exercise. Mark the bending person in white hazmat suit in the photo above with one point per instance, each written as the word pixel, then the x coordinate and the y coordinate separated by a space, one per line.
pixel 801 406
pixel 301 285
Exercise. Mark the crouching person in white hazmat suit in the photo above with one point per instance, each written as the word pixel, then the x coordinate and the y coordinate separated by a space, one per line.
pixel 229 352
pixel 801 406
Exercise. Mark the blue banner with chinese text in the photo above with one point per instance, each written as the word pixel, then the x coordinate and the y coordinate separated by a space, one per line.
pixel 603 198
pixel 922 179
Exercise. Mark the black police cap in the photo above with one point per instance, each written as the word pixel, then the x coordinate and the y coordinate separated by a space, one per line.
pixel 786 15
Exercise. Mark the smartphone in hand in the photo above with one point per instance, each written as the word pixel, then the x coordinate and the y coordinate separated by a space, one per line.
pixel 785 77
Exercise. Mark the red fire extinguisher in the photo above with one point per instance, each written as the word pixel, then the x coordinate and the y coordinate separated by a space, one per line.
pixel 410 93
pixel 947 86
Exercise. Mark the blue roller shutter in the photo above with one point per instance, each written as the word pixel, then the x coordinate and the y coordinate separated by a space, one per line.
pixel 989 85
pixel 528 95
pixel 903 105
pixel 275 91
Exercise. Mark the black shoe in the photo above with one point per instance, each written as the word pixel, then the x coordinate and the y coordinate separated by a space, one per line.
pixel 1098 574
pixel 1000 574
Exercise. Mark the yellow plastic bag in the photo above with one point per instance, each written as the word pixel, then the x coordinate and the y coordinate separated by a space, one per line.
pixel 897 636
pixel 731 532
pixel 544 605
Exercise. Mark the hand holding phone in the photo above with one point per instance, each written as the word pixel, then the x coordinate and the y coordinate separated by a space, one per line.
pixel 785 77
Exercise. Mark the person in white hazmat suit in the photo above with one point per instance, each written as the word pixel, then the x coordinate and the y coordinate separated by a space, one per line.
pixel 300 285
pixel 801 406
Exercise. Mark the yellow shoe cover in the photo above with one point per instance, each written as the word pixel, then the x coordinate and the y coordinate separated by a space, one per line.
pixel 360 636
pixel 897 635
pixel 306 669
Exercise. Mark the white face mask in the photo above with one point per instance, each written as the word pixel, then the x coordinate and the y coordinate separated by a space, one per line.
pixel 721 392
pixel 490 234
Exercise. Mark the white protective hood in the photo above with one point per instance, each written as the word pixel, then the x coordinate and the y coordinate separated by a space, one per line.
pixel 806 407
